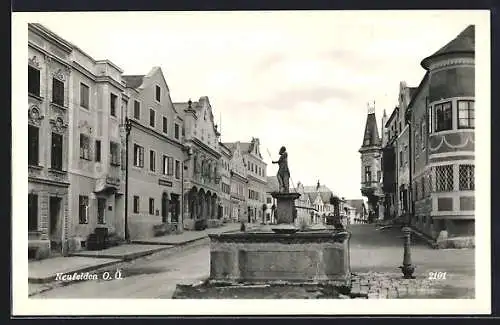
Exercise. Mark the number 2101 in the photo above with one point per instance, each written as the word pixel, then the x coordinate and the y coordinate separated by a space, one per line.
pixel 437 275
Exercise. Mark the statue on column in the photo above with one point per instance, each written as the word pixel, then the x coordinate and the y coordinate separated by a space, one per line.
pixel 283 174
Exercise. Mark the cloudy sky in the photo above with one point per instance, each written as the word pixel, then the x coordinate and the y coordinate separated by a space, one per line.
pixel 299 79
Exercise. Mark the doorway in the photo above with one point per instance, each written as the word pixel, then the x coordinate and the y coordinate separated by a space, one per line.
pixel 55 223
pixel 164 207
pixel 101 211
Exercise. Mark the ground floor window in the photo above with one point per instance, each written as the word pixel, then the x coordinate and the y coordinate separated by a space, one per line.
pixel 466 177
pixel 32 212
pixel 83 210
pixel 136 204
pixel 151 206
pixel 444 178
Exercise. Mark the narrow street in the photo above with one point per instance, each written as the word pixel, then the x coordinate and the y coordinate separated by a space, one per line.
pixel 371 250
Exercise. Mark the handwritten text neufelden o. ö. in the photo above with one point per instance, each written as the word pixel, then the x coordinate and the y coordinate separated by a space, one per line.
pixel 87 276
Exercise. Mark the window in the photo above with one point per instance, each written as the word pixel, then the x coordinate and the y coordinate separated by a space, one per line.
pixel 112 104
pixel 466 114
pixel 177 169
pixel 32 212
pixel 378 176
pixel 176 131
pixel 152 118
pixel 429 119
pixel 368 174
pixel 165 125
pixel 114 152
pixel 442 113
pixel 138 156
pixel 33 145
pixel 401 158
pixel 423 134
pixel 83 209
pixel 57 92
pixel 56 151
pixel 444 178
pixel 466 177
pixel 151 206
pixel 269 200
pixel 168 165
pixel 98 150
pixel 152 160
pixel 84 147
pixel 158 94
pixel 183 131
pixel 33 81
pixel 136 204
pixel 84 95
pixel 137 110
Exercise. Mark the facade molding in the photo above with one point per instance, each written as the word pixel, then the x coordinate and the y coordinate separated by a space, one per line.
pixel 446 63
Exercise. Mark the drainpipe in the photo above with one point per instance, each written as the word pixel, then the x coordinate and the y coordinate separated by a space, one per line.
pixel 181 219
pixel 128 128
pixel 410 157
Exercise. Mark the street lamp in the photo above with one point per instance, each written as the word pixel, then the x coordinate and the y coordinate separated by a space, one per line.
pixel 189 152
pixel 128 128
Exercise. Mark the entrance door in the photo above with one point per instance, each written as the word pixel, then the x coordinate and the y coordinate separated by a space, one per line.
pixel 54 223
pixel 175 206
pixel 101 211
pixel 164 208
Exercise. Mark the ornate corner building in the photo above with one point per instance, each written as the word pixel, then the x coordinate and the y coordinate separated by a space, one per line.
pixel 441 114
pixel 371 171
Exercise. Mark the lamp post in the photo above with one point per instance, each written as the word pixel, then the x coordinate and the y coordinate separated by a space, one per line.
pixel 407 268
pixel 128 128
pixel 189 152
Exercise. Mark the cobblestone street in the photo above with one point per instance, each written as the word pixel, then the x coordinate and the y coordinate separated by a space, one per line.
pixel 375 258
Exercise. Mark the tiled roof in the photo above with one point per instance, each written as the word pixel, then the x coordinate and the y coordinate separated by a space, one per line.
pixel 133 81
pixel 463 43
pixel 371 137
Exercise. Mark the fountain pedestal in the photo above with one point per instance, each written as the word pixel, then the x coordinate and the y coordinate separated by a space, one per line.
pixel 284 207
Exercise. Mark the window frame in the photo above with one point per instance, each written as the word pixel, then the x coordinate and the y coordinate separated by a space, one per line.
pixel 165 124
pixel 152 162
pixel 97 150
pixel 38 71
pixel 55 94
pixel 139 156
pixel 137 110
pixel 112 104
pixel 158 93
pixel 57 158
pixel 83 201
pixel 151 206
pixel 468 110
pixel 82 101
pixel 441 106
pixel 176 131
pixel 177 169
pixel 114 157
pixel 136 204
pixel 33 221
pixel 84 155
pixel 154 118
pixel 33 147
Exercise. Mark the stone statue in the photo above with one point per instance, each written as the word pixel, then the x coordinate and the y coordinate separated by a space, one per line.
pixel 283 174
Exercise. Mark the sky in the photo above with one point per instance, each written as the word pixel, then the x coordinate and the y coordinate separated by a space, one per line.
pixel 298 79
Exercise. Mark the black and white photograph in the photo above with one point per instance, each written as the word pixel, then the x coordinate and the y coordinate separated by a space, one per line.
pixel 314 162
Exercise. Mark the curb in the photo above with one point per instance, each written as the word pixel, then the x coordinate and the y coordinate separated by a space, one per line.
pixel 126 257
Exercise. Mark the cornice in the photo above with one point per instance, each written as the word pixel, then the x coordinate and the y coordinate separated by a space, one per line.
pixel 49 55
pixel 206 148
pixel 51 38
pixel 439 64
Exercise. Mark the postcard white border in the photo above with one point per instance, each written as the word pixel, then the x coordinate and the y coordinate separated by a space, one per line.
pixel 22 305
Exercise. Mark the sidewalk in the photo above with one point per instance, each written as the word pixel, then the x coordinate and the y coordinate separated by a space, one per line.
pixel 45 271
pixel 189 236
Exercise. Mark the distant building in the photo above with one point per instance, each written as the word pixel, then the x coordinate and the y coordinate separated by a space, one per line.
pixel 361 214
pixel 238 183
pixel 320 198
pixel 371 169
pixel 155 154
pixel 202 178
pixel 305 210
pixel 225 173
pixel 257 178
pixel 271 186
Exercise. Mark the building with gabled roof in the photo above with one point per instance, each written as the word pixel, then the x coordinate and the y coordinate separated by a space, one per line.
pixel 371 171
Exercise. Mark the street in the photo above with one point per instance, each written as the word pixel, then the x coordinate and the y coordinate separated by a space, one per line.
pixel 371 250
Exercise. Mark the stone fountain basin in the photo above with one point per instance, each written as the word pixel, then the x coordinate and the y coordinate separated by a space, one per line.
pixel 266 256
